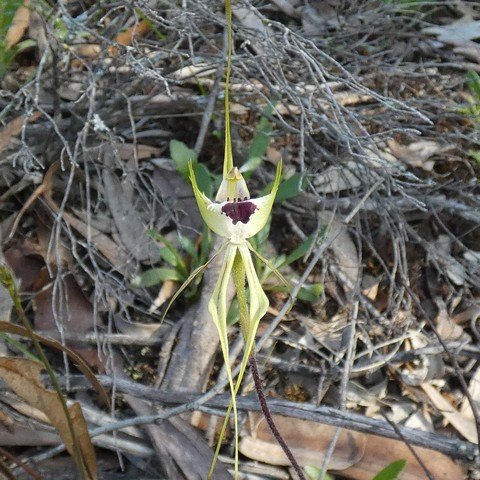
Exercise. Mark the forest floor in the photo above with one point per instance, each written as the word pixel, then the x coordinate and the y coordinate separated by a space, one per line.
pixel 373 357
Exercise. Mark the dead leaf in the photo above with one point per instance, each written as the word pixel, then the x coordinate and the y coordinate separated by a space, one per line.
pixel 170 186
pixel 24 265
pixel 462 34
pixel 252 20
pixel 126 151
pixel 441 253
pixel 380 452
pixel 37 30
pixel 74 311
pixel 319 17
pixel 336 179
pixel 23 377
pixel 167 290
pixel 474 390
pixel 126 37
pixel 76 359
pixel 21 433
pixel 19 25
pixel 139 330
pixel 457 33
pixel 461 423
pixel 87 50
pixel 344 249
pixel 13 128
pixel 370 287
pixel 308 441
pixel 6 304
pixel 424 367
pixel 178 445
pixel 446 327
pixel 417 154
pixel 6 421
pixel 128 221
pixel 108 248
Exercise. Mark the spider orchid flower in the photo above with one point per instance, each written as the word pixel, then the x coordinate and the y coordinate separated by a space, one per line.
pixel 236 217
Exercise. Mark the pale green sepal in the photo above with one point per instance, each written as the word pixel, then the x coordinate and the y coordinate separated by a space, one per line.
pixel 217 306
pixel 213 218
pixel 259 219
pixel 258 301
pixel 258 305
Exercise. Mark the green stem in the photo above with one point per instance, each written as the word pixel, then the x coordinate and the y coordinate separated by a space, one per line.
pixel 228 163
pixel 7 280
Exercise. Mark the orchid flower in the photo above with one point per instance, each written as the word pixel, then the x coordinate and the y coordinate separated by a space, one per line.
pixel 236 217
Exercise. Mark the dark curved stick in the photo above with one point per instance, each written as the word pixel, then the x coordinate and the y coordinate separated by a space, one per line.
pixel 268 417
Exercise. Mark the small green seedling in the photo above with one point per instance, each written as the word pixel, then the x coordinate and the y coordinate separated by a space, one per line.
pixel 473 109
pixel 315 473
pixel 178 268
pixel 308 292
pixel 7 53
pixel 392 471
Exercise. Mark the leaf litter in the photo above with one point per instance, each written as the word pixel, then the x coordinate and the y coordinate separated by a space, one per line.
pixel 396 193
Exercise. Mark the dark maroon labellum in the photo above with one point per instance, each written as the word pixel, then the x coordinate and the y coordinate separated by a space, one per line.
pixel 239 211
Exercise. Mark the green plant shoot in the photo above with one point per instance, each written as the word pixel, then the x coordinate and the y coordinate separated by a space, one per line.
pixel 236 217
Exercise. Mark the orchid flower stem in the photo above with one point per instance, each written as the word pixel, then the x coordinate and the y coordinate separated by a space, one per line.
pixel 228 163
pixel 268 417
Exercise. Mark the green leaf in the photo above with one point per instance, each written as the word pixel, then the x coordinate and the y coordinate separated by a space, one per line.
pixel 168 256
pixel 314 473
pixel 7 12
pixel 204 179
pixel 475 154
pixel 473 82
pixel 299 252
pixel 181 155
pixel 61 30
pixel 205 245
pixel 188 246
pixel 310 293
pixel 155 276
pixel 258 240
pixel 392 471
pixel 290 188
pixel 24 45
pixel 261 141
pixel 173 257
